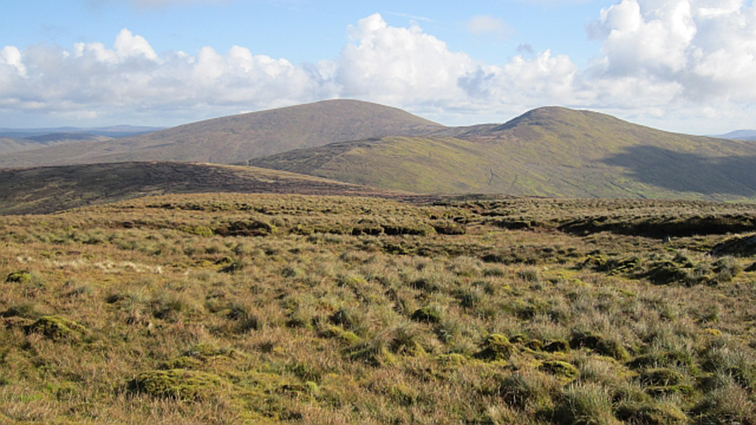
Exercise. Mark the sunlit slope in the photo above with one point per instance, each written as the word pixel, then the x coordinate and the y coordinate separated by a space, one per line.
pixel 47 189
pixel 236 138
pixel 545 152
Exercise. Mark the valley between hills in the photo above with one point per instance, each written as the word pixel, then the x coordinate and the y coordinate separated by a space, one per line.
pixel 345 262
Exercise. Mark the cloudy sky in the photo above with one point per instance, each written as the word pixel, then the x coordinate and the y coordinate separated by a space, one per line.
pixel 680 65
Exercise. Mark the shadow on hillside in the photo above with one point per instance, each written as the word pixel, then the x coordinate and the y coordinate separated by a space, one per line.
pixel 686 172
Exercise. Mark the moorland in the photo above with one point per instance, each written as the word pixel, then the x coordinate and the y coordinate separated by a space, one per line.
pixel 231 308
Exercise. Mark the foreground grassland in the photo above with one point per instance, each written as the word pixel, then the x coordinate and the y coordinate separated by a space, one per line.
pixel 255 308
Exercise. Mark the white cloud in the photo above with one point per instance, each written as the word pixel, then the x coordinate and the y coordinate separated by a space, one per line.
pixel 707 49
pixel 399 65
pixel 10 56
pixel 131 77
pixel 661 62
pixel 130 45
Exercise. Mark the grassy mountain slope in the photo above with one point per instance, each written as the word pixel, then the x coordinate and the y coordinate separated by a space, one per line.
pixel 236 138
pixel 47 189
pixel 545 152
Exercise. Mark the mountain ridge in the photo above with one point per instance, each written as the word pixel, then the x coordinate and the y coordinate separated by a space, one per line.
pixel 232 139
pixel 549 151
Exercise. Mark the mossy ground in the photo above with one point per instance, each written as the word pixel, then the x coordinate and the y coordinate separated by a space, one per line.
pixel 132 313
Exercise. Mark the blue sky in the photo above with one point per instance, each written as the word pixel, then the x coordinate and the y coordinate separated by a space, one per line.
pixel 681 65
pixel 299 30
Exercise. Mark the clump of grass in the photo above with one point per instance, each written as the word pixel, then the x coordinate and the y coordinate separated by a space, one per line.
pixel 428 314
pixel 660 377
pixel 27 310
pixel 559 345
pixel 726 268
pixel 585 404
pixel 338 333
pixel 729 404
pixel 495 347
pixel 599 344
pixel 178 383
pixel 531 391
pixel 19 276
pixel 559 369
pixel 651 413
pixel 57 328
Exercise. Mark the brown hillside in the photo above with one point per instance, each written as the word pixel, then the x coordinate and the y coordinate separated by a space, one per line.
pixel 236 138
pixel 47 189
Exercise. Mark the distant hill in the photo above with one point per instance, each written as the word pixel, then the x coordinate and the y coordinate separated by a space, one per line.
pixel 48 189
pixel 11 145
pixel 115 131
pixel 65 137
pixel 236 138
pixel 740 135
pixel 545 152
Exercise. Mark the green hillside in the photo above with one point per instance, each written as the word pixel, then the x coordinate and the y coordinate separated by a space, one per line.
pixel 546 152
pixel 235 138
pixel 47 189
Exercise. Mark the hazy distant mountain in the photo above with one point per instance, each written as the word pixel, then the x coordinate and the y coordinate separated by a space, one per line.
pixel 112 131
pixel 11 145
pixel 239 137
pixel 547 152
pixel 28 139
pixel 740 135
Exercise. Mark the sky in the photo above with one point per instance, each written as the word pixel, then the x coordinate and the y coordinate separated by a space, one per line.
pixel 679 65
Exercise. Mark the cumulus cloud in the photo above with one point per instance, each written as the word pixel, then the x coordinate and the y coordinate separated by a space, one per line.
pixel 659 58
pixel 704 49
pixel 399 65
pixel 93 78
